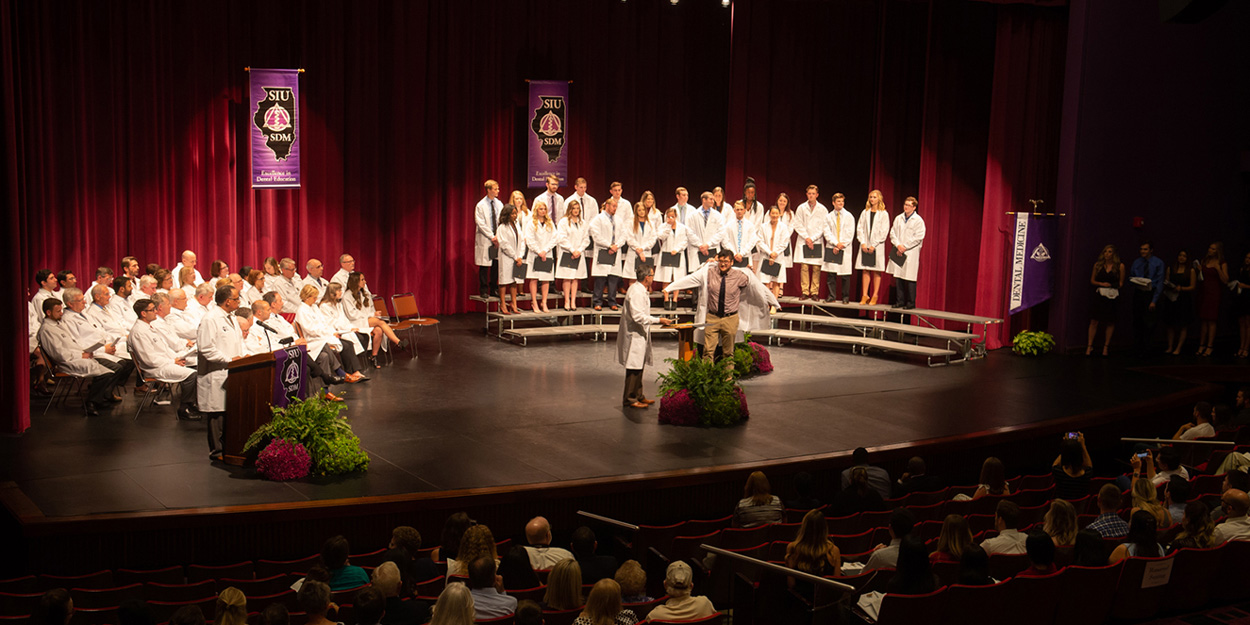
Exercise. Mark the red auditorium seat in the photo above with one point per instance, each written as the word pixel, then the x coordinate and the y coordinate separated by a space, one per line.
pixel 928 498
pixel 534 594
pixel 912 609
pixel 1230 583
pixel 784 531
pixel 1035 482
pixel 1087 594
pixel 685 547
pixel 931 512
pixel 200 572
pixel 700 527
pixel 162 611
pixel 1004 565
pixel 431 587
pixel 99 579
pixel 846 525
pixel 715 619
pixel 1032 497
pixel 1131 601
pixel 19 604
pixel 872 519
pixel 641 610
pixel 27 584
pixel 947 572
pixel 1024 592
pixel 371 559
pixel 1193 576
pixel 738 538
pixel 795 515
pixel 97 598
pixel 287 598
pixel 992 604
pixel 502 620
pixel 167 575
pixel 254 587
pixel 269 568
pixel 856 543
pixel 175 593
pixel 94 616
pixel 560 617
pixel 657 538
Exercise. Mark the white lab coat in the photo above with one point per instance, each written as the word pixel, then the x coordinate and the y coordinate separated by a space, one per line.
pixel 318 330
pixel 113 326
pixel 554 202
pixel 809 223
pixel 320 283
pixel 177 271
pixel 874 238
pixel 750 236
pixel 572 238
pixel 909 233
pixel 639 237
pixel 64 350
pixel 672 240
pixel 590 206
pixel 34 315
pixel 333 313
pixel 511 247
pixel 358 316
pixel 752 308
pixel 259 340
pixel 483 231
pixel 289 290
pixel 604 235
pixel 840 228
pixel 540 239
pixel 755 214
pixel 703 231
pixel 774 241
pixel 184 323
pixel 150 348
pixel 219 341
pixel 633 337
pixel 87 333
pixel 683 211
pixel 177 344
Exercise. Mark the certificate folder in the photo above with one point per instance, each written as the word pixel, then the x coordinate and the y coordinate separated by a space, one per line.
pixel 544 266
pixel 670 259
pixel 605 257
pixel 833 255
pixel 771 268
pixel 568 262
pixel 898 258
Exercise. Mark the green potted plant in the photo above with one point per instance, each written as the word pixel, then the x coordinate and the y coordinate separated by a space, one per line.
pixel 316 425
pixel 1032 343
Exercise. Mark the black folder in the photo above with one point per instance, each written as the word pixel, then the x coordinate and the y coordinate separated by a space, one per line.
pixel 519 271
pixel 833 255
pixel 771 268
pixel 746 260
pixel 655 249
pixel 544 266
pixel 492 252
pixel 670 259
pixel 812 252
pixel 568 262
pixel 867 259
pixel 898 258
pixel 711 253
pixel 605 257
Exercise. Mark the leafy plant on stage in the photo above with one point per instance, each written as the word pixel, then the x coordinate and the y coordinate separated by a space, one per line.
pixel 316 424
pixel 751 358
pixel 698 392
pixel 283 460
pixel 1032 343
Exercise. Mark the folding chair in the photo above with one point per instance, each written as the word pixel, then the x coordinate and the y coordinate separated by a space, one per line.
pixel 406 310
pixel 155 386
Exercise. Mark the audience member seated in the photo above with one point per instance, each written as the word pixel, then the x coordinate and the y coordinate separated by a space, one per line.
pixel 1006 520
pixel 1109 524
pixel 877 477
pixel 1060 523
pixel 804 493
pixel 528 612
pixel 55 608
pixel 993 479
pixel 681 605
pixel 1160 466
pixel 812 552
pixel 418 568
pixel 231 607
pixel 902 521
pixel 256 286
pixel 955 539
pixel 193 615
pixel 1072 468
pixel 564 587
pixel 541 554
pixel 1175 496
pixel 857 497
pixel 1236 525
pixel 758 505
pixel 594 568
pixel 151 348
pixel 1239 480
pixel 1041 549
pixel 275 614
pixel 603 606
pixel 1090 549
pixel 368 607
pixel 1146 498
pixel 516 570
pixel 449 541
pixel 912 575
pixel 1197 529
pixel 974 568
pixel 916 480
pixel 314 600
pixel 1142 540
pixel 1241 405
pixel 489 598
pixel 477 542
pixel 342 574
pixel 455 606
pixel 388 581
pixel 633 581
pixel 1199 427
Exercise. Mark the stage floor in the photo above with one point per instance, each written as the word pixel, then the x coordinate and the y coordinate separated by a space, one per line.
pixel 488 413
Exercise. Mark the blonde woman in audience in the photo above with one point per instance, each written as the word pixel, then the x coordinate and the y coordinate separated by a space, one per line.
pixel 1060 523
pixel 955 539
pixel 603 606
pixel 477 541
pixel 573 235
pixel 540 240
pixel 758 505
pixel 633 581
pixel 993 480
pixel 231 607
pixel 454 606
pixel 564 587
pixel 1146 498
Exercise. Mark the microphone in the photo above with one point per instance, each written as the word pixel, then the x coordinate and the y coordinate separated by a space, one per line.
pixel 286 341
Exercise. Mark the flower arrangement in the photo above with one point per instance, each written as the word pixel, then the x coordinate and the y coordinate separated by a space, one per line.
pixel 678 408
pixel 698 392
pixel 751 358
pixel 282 461
pixel 1032 343
pixel 315 425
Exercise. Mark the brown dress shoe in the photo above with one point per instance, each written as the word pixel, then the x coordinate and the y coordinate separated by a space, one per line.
pixel 647 401
pixel 639 404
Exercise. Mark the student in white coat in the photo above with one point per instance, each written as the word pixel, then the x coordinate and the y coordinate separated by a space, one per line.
pixel 485 245
pixel 358 308
pixel 871 232
pixel 907 237
pixel 588 204
pixel 624 208
pixel 540 241
pixel 522 209
pixel 331 308
pixel 220 342
pixel 511 255
pixel 740 236
pixel 755 211
pixel 607 234
pixel 65 352
pixel 188 260
pixel 809 255
pixel 774 243
pixel 672 250
pixel 640 238
pixel 633 337
pixel 154 357
pixel 551 197
pixel 839 234
pixel 573 236
pixel 705 228
pixel 684 209
pixel 322 333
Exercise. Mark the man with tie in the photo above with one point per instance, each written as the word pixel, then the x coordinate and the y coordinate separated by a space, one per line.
pixel 313 277
pixel 606 235
pixel 1150 272
pixel 555 203
pixel 683 208
pixel 160 360
pixel 220 342
pixel 485 244
pixel 288 285
pixel 590 206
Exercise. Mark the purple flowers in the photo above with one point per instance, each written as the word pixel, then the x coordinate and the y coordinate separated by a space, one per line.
pixel 678 408
pixel 281 461
pixel 763 362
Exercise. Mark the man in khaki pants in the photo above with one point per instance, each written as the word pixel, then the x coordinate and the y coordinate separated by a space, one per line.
pixel 725 290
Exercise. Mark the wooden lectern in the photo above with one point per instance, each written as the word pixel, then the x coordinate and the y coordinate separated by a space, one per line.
pixel 685 339
pixel 249 390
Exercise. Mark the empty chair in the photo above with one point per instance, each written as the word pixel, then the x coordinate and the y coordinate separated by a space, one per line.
pixel 19 604
pixel 929 498
pixel 738 538
pixel 99 579
pixel 257 587
pixel 657 538
pixel 94 616
pixel 1086 595
pixel 200 572
pixel 96 598
pixel 715 619
pixel 176 593
pixel 1193 575
pixel 992 604
pixel 27 584
pixel 167 575
pixel 911 609
pixel 1035 482
pixel 369 560
pixel 1040 597
pixel 641 610
pixel 163 610
pixel 1131 601
pixel 269 568
pixel 1004 565
pixel 560 617
pixel 1230 584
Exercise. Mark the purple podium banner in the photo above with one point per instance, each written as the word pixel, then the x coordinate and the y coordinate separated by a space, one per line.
pixel 548 119
pixel 290 370
pixel 274 108
pixel 1032 269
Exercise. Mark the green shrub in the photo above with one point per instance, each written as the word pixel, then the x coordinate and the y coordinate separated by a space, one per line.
pixel 1032 343
pixel 316 424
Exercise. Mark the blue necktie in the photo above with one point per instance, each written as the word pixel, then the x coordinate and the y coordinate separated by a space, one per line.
pixel 739 248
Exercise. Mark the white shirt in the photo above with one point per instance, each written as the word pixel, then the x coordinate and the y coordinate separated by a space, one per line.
pixel 321 284
pixel 484 228
pixel 1203 430
pixel 178 282
pixel 543 557
pixel 289 289
pixel 1007 541
pixel 590 206
pixel 1233 529
pixel 909 233
pixel 150 348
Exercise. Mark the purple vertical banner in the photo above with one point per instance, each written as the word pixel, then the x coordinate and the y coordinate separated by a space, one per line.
pixel 1032 268
pixel 274 109
pixel 548 117
pixel 291 370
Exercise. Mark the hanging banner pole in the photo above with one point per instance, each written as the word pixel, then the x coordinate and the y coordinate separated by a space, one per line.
pixel 274 121
pixel 1032 268
pixel 548 141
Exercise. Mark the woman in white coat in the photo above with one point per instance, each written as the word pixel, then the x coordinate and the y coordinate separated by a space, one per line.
pixel 871 232
pixel 672 245
pixel 639 239
pixel 839 234
pixel 573 235
pixel 774 243
pixel 511 256
pixel 522 209
pixel 907 237
pixel 540 239
pixel 331 307
pixel 633 337
pixel 320 334
pixel 358 307
pixel 740 236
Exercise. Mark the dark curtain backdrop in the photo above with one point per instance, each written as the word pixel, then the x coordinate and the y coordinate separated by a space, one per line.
pixel 125 124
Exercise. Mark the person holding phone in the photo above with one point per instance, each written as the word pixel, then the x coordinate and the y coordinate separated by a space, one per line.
pixel 1073 468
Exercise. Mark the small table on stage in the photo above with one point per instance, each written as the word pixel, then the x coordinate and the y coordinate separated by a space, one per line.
pixel 685 339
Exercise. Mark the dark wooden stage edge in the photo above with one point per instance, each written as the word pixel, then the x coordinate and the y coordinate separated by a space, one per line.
pixel 216 535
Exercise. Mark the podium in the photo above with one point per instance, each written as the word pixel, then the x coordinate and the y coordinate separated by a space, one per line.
pixel 685 339
pixel 254 384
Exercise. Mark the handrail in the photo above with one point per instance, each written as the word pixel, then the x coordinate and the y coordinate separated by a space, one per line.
pixel 1126 439
pixel 777 568
pixel 610 521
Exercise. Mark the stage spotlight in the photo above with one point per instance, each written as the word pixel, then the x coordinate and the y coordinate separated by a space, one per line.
pixel 674 2
pixel 724 3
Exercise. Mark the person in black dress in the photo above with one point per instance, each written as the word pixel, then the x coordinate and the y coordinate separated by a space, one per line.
pixel 1178 313
pixel 1241 305
pixel 1107 279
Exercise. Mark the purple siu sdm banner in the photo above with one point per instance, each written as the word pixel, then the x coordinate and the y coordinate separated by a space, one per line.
pixel 274 108
pixel 548 119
